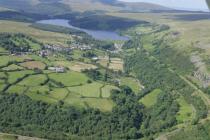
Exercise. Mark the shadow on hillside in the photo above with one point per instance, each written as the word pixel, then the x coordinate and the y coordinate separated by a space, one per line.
pixel 191 17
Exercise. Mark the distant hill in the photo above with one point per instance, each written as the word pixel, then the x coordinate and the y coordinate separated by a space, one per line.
pixel 49 7
pixel 142 7
pixel 112 5
pixel 208 3
pixel 53 7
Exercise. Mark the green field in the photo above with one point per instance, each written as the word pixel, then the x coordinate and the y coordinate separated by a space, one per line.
pixel 103 104
pixel 151 98
pixel 12 67
pixel 59 93
pixel 88 90
pixel 41 97
pixel 13 76
pixel 16 89
pixel 107 89
pixel 34 80
pixel 132 83
pixel 185 111
pixel 5 59
pixel 2 85
pixel 70 78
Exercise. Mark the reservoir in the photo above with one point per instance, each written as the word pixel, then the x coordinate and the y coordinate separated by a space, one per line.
pixel 97 34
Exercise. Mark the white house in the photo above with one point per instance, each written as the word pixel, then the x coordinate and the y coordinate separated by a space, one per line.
pixel 57 69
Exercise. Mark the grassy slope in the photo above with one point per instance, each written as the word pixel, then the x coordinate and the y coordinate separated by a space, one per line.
pixel 87 5
pixel 43 36
pixel 57 6
pixel 150 99
pixel 132 83
pixel 186 111
pixel 70 78
pixel 192 34
pixel 186 28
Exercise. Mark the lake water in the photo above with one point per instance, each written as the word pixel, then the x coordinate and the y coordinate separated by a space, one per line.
pixel 97 34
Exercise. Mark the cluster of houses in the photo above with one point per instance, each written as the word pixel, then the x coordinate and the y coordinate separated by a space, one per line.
pixel 56 48
pixel 81 47
pixel 47 49
pixel 17 53
pixel 44 53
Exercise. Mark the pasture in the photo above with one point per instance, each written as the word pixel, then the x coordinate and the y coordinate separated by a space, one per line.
pixel 87 90
pixel 70 78
pixel 33 80
pixel 2 85
pixel 14 76
pixel 104 104
pixel 58 93
pixel 12 67
pixel 133 83
pixel 116 64
pixel 151 98
pixel 107 89
pixel 33 65
pixel 41 97
pixel 5 59
pixel 186 111
pixel 16 89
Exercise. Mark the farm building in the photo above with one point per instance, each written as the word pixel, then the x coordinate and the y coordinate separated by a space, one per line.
pixel 57 69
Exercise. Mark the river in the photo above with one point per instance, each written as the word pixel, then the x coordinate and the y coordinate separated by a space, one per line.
pixel 97 34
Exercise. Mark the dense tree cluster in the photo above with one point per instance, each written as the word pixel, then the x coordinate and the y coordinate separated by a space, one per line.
pixel 21 16
pixel 104 22
pixel 93 74
pixel 59 29
pixel 21 115
pixel 161 116
pixel 89 54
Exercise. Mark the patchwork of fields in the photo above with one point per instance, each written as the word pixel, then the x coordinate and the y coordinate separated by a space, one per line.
pixel 29 74
pixel 70 87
